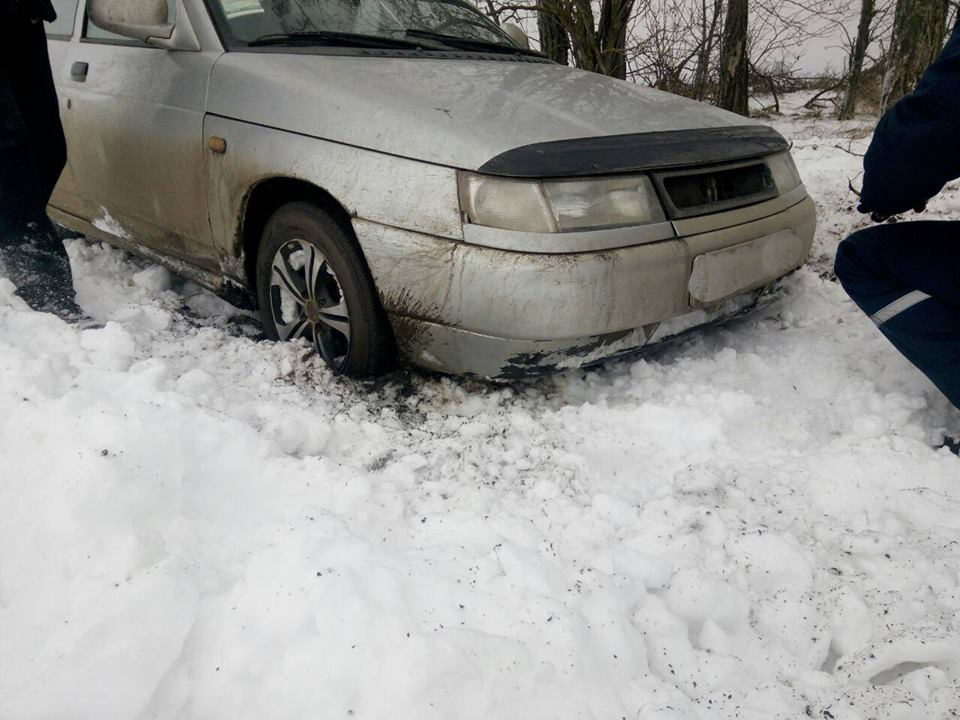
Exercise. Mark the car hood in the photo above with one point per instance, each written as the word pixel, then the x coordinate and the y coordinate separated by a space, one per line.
pixel 454 112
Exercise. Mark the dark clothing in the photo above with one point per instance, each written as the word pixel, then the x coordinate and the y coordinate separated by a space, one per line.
pixel 32 156
pixel 35 10
pixel 916 147
pixel 33 151
pixel 906 277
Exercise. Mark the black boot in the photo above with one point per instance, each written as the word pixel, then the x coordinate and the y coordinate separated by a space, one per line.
pixel 36 262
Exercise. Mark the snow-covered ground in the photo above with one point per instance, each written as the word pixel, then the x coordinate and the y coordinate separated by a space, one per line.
pixel 752 523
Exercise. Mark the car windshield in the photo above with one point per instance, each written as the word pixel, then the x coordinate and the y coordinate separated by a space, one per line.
pixel 323 22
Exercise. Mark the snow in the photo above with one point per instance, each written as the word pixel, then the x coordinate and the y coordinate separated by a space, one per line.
pixel 748 523
pixel 108 224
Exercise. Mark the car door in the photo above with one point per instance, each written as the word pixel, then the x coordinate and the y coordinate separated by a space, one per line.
pixel 135 136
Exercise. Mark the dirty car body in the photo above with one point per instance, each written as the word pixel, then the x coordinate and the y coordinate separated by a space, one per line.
pixel 516 216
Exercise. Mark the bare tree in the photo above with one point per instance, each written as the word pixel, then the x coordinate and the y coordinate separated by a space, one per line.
pixel 673 45
pixel 571 30
pixel 612 37
pixel 679 45
pixel 599 45
pixel 855 65
pixel 919 27
pixel 733 93
pixel 708 40
pixel 866 52
pixel 554 42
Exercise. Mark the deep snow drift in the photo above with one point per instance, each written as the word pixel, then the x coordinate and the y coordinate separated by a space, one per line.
pixel 751 523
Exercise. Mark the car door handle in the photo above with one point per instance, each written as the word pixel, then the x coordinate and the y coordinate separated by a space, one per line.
pixel 78 71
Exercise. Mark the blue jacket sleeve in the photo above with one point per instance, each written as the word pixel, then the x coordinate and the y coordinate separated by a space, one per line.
pixel 915 149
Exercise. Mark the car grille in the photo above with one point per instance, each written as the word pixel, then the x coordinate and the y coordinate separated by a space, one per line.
pixel 708 190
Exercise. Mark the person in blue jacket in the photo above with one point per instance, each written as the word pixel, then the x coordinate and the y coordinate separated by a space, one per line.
pixel 32 155
pixel 906 275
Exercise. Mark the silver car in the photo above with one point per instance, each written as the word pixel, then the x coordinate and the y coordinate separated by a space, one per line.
pixel 405 180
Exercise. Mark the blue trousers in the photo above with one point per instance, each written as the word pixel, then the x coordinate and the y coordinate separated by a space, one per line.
pixel 906 277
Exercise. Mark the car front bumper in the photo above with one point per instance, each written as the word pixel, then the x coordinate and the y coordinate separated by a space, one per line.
pixel 469 309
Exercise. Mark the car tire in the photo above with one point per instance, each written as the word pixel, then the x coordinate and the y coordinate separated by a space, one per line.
pixel 313 282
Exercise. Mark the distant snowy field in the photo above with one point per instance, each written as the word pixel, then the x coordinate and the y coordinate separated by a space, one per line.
pixel 748 524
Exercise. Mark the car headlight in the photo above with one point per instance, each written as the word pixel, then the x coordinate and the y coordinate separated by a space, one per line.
pixel 784 172
pixel 550 206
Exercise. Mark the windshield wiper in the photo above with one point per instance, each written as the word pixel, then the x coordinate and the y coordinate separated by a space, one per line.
pixel 331 37
pixel 462 43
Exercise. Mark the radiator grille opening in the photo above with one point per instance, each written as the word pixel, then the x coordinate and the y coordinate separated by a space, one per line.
pixel 720 188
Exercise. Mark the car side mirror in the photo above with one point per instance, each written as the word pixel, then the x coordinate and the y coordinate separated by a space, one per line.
pixel 516 33
pixel 146 21
pixel 137 19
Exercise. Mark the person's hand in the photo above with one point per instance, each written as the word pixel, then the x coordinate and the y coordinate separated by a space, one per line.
pixel 882 217
pixel 875 216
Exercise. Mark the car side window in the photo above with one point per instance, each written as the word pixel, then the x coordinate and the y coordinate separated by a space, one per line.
pixel 92 32
pixel 66 14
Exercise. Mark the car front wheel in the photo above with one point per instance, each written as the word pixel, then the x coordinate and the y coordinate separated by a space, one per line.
pixel 313 283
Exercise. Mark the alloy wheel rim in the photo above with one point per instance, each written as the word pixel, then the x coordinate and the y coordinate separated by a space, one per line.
pixel 306 300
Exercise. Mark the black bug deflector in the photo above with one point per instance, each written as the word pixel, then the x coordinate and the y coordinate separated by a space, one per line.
pixel 638 152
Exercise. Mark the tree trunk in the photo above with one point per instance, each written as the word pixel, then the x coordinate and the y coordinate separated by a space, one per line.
pixel 857 53
pixel 553 38
pixel 919 27
pixel 701 76
pixel 600 47
pixel 583 35
pixel 734 66
pixel 612 37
